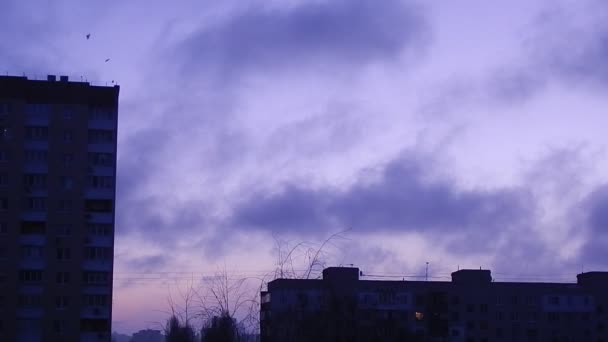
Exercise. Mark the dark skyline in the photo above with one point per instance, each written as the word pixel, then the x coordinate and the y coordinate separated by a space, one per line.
pixel 461 134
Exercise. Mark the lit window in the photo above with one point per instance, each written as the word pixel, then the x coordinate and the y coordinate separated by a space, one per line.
pixel 419 316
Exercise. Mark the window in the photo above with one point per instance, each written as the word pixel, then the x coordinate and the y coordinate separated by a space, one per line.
pixel 30 276
pixel 36 156
pixel 3 156
pixel 98 253
pixel 101 182
pixel 59 327
pixel 68 136
pixel 95 278
pixel 3 228
pixel 483 308
pixel 483 325
pixel 6 108
pixel 33 227
pixel 5 133
pixel 68 113
pixel 61 302
pixel 95 300
pixel 3 179
pixel 553 317
pixel 100 229
pixel 554 300
pixel 470 308
pixel 100 136
pixel 63 229
pixel 29 325
pixel 3 203
pixel 33 181
pixel 37 110
pixel 36 133
pixel 63 277
pixel 68 159
pixel 99 205
pixel 419 316
pixel 35 204
pixel 29 300
pixel 101 159
pixel 67 183
pixel 63 253
pixel 65 205
pixel 30 252
pixel 102 114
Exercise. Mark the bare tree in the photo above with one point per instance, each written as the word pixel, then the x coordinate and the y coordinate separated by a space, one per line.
pixel 304 259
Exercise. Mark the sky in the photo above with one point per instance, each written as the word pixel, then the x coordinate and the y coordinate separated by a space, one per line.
pixel 464 134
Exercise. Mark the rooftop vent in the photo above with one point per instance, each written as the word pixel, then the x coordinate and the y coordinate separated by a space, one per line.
pixel 592 278
pixel 51 78
pixel 472 276
pixel 63 78
pixel 341 274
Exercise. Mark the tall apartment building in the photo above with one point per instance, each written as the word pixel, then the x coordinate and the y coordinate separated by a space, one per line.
pixel 470 308
pixel 57 192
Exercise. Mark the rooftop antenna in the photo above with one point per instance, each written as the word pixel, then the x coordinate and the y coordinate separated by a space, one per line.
pixel 426 276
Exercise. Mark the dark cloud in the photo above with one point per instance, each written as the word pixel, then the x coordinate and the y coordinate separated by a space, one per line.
pixel 400 198
pixel 573 43
pixel 594 226
pixel 320 32
pixel 560 49
pixel 146 263
pixel 597 209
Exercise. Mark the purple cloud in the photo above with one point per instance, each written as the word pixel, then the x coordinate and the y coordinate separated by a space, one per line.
pixel 401 198
pixel 326 34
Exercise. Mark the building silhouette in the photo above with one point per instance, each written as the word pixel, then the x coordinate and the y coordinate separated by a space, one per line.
pixel 470 308
pixel 57 191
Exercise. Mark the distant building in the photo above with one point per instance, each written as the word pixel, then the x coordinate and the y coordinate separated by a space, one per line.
pixel 148 335
pixel 57 191
pixel 470 308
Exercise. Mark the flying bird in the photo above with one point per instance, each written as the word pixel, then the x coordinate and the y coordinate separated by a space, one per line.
pixel 88 35
pixel 107 60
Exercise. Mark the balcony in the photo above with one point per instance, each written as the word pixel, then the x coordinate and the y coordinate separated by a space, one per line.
pixel 97 265
pixel 100 217
pixel 36 145
pixel 102 124
pixel 99 241
pixel 35 167
pixel 101 170
pixel 97 290
pixel 101 147
pixel 33 239
pixel 34 216
pixel 93 337
pixel 33 264
pixel 35 312
pixel 92 193
pixel 95 312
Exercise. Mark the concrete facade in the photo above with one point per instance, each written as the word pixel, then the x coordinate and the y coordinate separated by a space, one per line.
pixel 57 191
pixel 470 308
